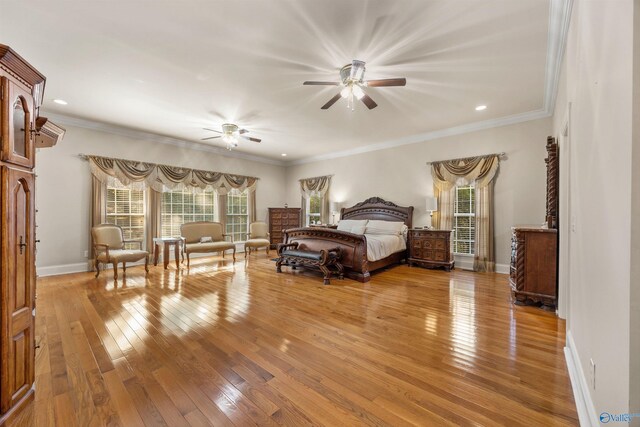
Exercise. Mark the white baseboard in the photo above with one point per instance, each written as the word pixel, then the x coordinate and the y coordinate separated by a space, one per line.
pixel 466 263
pixel 584 405
pixel 502 268
pixel 80 267
pixel 54 270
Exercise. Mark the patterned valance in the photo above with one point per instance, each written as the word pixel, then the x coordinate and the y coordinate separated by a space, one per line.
pixel 479 170
pixel 318 185
pixel 118 172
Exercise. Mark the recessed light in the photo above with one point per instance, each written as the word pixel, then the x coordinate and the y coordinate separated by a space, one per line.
pixel 284 154
pixel 481 107
pixel 60 101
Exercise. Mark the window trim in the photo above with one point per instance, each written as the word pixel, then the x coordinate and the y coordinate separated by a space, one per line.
pixel 143 215
pixel 307 210
pixel 213 215
pixel 472 204
pixel 243 235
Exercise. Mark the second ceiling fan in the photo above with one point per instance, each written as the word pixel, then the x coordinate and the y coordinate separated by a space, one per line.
pixel 352 82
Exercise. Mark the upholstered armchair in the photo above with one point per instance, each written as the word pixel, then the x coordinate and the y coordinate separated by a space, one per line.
pixel 205 237
pixel 109 248
pixel 257 237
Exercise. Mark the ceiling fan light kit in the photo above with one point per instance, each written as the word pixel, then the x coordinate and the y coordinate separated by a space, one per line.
pixel 352 82
pixel 230 135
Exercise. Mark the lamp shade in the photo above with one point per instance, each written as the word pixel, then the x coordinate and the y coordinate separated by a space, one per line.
pixel 432 204
pixel 335 207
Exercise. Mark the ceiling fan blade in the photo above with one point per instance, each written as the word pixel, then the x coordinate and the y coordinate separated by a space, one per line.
pixel 387 82
pixel 321 83
pixel 212 130
pixel 251 139
pixel 370 103
pixel 241 131
pixel 211 137
pixel 331 102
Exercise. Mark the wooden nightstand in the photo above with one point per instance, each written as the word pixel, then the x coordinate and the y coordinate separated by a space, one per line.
pixel 430 248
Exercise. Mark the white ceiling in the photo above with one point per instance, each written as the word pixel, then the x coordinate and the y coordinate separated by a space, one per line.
pixel 174 67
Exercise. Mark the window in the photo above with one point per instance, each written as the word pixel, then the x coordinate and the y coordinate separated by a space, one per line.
pixel 237 215
pixel 125 207
pixel 314 204
pixel 182 206
pixel 464 220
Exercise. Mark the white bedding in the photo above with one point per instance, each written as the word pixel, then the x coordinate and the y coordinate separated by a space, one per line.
pixel 382 245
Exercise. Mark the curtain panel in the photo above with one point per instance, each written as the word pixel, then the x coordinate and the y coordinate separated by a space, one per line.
pixel 98 213
pixel 140 175
pixel 155 179
pixel 479 171
pixel 318 186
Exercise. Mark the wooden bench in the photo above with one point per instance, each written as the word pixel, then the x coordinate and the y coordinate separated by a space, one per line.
pixel 325 260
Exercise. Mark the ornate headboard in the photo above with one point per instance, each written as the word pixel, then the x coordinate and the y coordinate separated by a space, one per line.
pixel 377 208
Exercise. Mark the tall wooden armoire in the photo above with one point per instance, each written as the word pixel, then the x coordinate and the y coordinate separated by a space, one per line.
pixel 534 249
pixel 21 89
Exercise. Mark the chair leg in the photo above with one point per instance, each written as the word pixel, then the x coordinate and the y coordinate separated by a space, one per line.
pixel 222 254
pixel 115 270
pixel 246 250
pixel 188 260
pixel 267 250
pixel 124 268
pixel 146 263
pixel 97 267
pixel 234 254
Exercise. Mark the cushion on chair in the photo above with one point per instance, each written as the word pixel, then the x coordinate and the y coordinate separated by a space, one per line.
pixel 122 255
pixel 193 231
pixel 208 247
pixel 107 234
pixel 256 243
pixel 258 230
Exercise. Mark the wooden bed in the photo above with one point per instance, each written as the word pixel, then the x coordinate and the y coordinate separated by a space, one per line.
pixel 354 246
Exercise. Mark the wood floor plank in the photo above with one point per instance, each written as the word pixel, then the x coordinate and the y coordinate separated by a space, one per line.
pixel 235 344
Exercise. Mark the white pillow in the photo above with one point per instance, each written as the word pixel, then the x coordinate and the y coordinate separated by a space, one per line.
pixel 384 227
pixel 358 229
pixel 352 224
pixel 206 239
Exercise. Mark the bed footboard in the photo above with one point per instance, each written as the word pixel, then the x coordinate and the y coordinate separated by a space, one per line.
pixel 353 247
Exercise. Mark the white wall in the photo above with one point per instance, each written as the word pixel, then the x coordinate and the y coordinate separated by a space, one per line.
pixel 634 321
pixel 402 176
pixel 64 186
pixel 597 82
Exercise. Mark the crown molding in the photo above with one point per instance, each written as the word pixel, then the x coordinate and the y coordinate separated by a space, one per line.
pixel 414 139
pixel 148 136
pixel 559 19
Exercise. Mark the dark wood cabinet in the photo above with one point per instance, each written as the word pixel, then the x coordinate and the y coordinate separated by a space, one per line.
pixel 430 248
pixel 533 266
pixel 21 97
pixel 282 219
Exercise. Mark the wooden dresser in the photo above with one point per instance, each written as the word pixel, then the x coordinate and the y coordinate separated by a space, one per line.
pixel 282 219
pixel 21 88
pixel 430 248
pixel 533 266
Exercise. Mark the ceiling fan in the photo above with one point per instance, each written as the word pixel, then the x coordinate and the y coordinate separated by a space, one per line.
pixel 231 134
pixel 352 82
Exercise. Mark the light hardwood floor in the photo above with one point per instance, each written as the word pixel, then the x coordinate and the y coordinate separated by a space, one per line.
pixel 237 344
